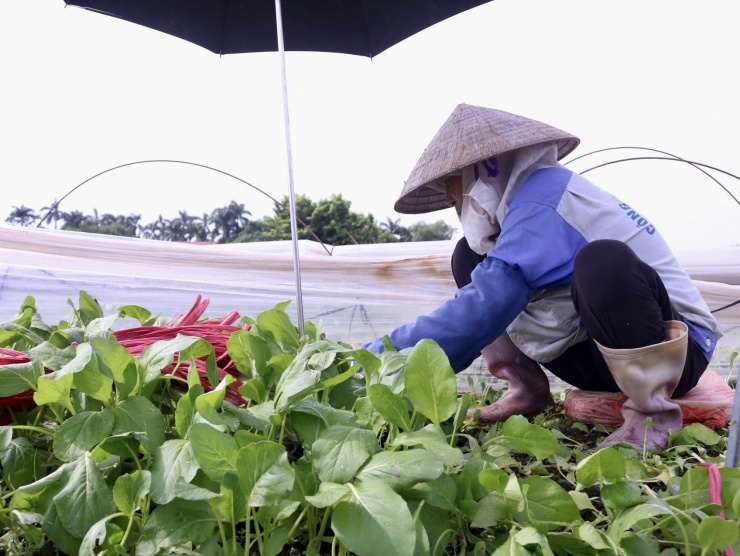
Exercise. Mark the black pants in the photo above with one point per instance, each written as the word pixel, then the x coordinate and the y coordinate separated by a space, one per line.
pixel 622 303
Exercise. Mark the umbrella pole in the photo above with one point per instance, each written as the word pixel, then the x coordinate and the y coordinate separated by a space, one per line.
pixel 293 225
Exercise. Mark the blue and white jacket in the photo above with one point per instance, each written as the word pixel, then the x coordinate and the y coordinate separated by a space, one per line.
pixel 523 285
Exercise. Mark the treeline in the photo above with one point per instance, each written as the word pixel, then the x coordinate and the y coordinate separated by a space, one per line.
pixel 329 220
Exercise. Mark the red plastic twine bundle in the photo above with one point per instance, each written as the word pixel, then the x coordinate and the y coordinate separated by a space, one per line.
pixel 715 493
pixel 215 331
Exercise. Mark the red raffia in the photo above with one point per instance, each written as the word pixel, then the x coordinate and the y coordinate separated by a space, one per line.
pixel 214 331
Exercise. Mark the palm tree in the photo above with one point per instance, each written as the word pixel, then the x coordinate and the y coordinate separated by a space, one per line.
pixel 393 226
pixel 54 214
pixel 201 227
pixel 228 222
pixel 180 227
pixel 73 220
pixel 22 215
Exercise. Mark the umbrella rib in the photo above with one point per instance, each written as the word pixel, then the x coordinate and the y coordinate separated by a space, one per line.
pixel 368 38
pixel 223 27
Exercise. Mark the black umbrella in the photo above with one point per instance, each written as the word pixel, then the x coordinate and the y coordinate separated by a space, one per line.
pixel 361 27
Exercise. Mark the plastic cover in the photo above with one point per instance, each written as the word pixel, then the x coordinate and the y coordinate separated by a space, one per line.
pixel 358 292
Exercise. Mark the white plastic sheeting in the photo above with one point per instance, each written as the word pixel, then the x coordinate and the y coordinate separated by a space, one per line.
pixel 358 292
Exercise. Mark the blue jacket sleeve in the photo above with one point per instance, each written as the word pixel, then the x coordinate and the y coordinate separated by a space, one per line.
pixel 479 313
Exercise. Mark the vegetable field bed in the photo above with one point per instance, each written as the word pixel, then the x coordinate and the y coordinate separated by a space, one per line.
pixel 235 436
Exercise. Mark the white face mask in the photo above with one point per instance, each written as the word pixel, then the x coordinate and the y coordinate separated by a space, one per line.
pixel 491 184
pixel 478 216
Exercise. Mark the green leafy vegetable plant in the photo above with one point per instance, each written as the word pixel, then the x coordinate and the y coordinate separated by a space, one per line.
pixel 326 449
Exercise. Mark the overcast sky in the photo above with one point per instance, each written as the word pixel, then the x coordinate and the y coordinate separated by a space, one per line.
pixel 82 93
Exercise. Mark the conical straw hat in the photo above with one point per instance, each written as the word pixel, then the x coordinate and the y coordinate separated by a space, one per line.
pixel 470 135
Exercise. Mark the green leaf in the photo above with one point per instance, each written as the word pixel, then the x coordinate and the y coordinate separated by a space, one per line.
pixel 622 494
pixel 6 435
pixel 430 382
pixel 135 312
pixel 265 475
pixel 176 524
pixel 299 379
pixel 463 404
pixel 328 495
pixel 198 350
pixel 401 469
pixel 19 377
pixel 715 533
pixel 101 326
pixel 130 489
pixel 433 439
pixel 277 323
pixel 511 548
pixel 254 389
pixel 593 537
pixel 528 438
pixel 388 344
pixel 322 360
pixel 369 361
pixel 93 382
pixel 85 497
pixel 53 391
pixel 341 450
pixel 191 491
pixel 309 418
pixel 81 433
pixel 440 493
pixel 696 432
pixel 52 356
pixel 215 451
pixel 231 505
pixel 81 359
pixel 249 352
pixel 124 445
pixel 391 406
pixel 548 503
pixel 94 538
pixel 17 454
pixel 89 308
pixel 116 362
pixel 157 356
pixel 374 520
pixel 494 479
pixel 173 460
pixel 566 544
pixel 605 465
pixel 276 542
pixel 138 414
pixel 628 518
pixel 185 410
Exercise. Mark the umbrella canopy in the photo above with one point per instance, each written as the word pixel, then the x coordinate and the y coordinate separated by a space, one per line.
pixel 361 27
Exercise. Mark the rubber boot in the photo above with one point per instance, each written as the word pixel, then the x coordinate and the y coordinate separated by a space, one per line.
pixel 528 392
pixel 648 376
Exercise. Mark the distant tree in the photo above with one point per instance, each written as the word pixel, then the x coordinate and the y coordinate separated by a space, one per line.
pixel 159 229
pixel 201 227
pixel 228 222
pixel 73 220
pixel 332 220
pixel 55 215
pixel 436 231
pixel 393 226
pixel 22 215
pixel 277 227
pixel 107 224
